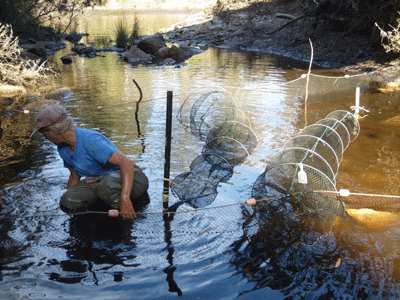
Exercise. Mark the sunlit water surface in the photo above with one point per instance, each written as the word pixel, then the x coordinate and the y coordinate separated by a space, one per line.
pixel 200 255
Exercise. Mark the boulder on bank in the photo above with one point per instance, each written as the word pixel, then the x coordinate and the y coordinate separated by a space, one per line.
pixel 83 50
pixel 135 55
pixel 152 44
pixel 74 37
pixel 12 91
pixel 36 49
pixel 174 52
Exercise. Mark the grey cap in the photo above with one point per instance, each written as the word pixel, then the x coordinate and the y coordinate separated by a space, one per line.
pixel 49 115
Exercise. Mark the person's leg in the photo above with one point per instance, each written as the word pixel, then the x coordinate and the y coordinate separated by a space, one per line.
pixel 79 197
pixel 110 187
pixel 140 184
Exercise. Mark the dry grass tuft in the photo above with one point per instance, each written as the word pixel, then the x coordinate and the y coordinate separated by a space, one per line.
pixel 15 70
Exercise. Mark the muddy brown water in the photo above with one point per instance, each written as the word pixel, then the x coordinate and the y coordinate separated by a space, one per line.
pixel 203 255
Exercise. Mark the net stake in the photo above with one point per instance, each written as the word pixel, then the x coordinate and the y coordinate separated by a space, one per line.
pixel 167 155
pixel 302 176
pixel 357 107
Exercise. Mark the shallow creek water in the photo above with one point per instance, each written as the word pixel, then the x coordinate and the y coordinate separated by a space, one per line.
pixel 46 254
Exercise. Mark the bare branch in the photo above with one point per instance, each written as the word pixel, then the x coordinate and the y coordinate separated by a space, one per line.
pixel 283 26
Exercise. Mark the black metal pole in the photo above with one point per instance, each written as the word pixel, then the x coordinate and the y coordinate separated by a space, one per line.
pixel 167 155
pixel 173 286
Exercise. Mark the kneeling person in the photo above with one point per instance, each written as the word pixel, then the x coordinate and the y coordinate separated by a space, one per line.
pixel 109 176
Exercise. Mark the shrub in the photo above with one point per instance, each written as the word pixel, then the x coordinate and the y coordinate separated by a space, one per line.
pixel 134 32
pixel 121 34
pixel 124 38
pixel 27 15
pixel 392 37
pixel 13 69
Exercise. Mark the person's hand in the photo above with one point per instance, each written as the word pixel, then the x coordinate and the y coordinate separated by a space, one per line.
pixel 126 208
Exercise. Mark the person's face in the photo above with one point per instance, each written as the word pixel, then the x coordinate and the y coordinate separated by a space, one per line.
pixel 52 136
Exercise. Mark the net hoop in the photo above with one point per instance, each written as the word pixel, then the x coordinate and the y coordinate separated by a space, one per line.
pixel 194 200
pixel 209 150
pixel 343 114
pixel 326 128
pixel 346 141
pixel 319 140
pixel 331 174
pixel 248 128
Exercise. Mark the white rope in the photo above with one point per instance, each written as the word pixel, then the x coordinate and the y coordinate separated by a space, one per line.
pixel 361 194
pixel 359 107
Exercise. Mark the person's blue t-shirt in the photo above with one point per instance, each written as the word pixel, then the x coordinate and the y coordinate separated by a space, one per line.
pixel 91 153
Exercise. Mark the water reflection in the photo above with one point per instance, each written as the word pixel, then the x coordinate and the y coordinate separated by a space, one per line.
pixel 94 240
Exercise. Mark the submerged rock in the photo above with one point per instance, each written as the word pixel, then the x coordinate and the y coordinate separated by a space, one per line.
pixel 67 60
pixel 59 94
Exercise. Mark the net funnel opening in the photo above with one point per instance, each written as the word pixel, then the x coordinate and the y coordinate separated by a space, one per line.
pixel 194 189
pixel 230 149
pixel 212 166
pixel 237 131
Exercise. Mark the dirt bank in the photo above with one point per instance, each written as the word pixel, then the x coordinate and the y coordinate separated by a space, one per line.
pixel 283 28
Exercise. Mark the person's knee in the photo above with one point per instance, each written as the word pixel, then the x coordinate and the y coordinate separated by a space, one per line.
pixel 70 205
pixel 139 189
pixel 140 184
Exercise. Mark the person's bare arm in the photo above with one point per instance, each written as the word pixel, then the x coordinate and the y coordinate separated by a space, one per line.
pixel 127 168
pixel 73 179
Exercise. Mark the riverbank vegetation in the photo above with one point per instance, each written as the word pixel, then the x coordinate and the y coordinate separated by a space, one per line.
pixel 126 34
pixel 28 16
pixel 13 69
pixel 392 37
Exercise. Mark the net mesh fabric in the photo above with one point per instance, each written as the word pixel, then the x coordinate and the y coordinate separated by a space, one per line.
pixel 216 118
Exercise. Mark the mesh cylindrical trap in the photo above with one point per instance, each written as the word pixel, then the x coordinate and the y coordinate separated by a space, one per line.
pixel 308 164
pixel 216 118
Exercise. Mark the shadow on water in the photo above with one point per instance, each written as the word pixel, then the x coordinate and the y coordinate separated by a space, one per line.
pixel 284 250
